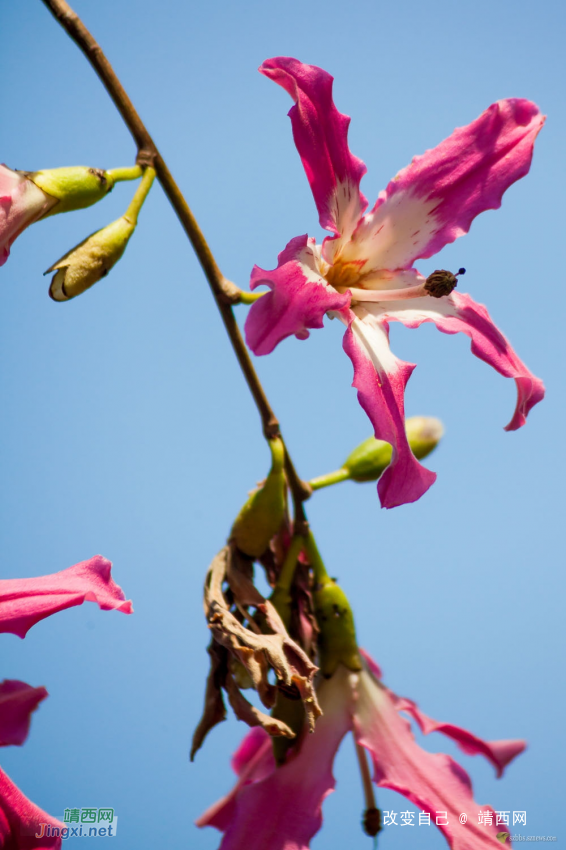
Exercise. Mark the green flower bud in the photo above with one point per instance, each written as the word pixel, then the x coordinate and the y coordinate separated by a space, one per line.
pixel 75 188
pixel 86 264
pixel 262 515
pixel 92 259
pixel 370 458
pixel 337 639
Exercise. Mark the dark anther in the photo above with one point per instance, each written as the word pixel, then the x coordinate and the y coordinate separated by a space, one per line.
pixel 460 271
pixel 372 822
pixel 440 282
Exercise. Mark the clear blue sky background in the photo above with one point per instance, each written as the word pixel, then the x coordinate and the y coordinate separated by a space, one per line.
pixel 127 429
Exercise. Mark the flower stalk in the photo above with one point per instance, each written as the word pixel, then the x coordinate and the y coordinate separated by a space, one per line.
pixel 141 194
pixel 131 172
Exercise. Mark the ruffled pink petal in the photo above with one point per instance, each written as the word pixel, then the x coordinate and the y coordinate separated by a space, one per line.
pixel 21 203
pixel 282 811
pixel 26 601
pixel 298 300
pixel 380 379
pixel 460 313
pixel 321 136
pixel 433 782
pixel 17 702
pixel 21 821
pixel 499 753
pixel 435 199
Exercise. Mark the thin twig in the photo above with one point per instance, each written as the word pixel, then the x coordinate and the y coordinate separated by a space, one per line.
pixel 224 291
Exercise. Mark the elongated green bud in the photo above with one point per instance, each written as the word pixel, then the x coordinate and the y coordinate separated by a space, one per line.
pixel 370 458
pixel 337 633
pixel 337 639
pixel 86 264
pixel 262 515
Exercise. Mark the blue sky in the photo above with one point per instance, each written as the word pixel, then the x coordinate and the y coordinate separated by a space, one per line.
pixel 128 430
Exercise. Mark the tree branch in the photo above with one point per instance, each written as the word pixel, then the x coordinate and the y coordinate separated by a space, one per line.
pixel 224 291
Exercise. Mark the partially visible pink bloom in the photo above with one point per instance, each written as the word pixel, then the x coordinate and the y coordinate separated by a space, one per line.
pixel 363 273
pixel 281 807
pixel 20 819
pixel 17 702
pixel 26 601
pixel 21 203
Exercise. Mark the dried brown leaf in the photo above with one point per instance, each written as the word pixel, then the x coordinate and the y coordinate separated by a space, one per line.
pixel 214 711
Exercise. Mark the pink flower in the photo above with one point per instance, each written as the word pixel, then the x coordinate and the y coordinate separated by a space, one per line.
pixel 17 701
pixel 20 819
pixel 23 825
pixel 21 203
pixel 26 601
pixel 280 807
pixel 364 272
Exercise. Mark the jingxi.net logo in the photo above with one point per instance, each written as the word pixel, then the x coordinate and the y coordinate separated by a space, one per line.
pixel 82 823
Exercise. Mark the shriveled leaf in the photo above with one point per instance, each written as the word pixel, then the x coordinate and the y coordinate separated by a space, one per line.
pixel 214 711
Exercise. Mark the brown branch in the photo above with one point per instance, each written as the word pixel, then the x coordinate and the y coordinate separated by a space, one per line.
pixel 224 291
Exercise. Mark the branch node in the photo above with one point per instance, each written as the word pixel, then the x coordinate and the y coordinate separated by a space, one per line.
pixel 271 429
pixel 146 158
pixel 228 292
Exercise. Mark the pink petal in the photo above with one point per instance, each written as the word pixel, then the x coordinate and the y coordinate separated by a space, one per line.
pixel 433 782
pixel 321 136
pixel 499 753
pixel 252 762
pixel 20 821
pixel 460 313
pixel 21 203
pixel 298 300
pixel 380 379
pixel 434 199
pixel 17 702
pixel 253 744
pixel 26 601
pixel 282 811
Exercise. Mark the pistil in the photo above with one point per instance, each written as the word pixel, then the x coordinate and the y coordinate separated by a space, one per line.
pixel 437 284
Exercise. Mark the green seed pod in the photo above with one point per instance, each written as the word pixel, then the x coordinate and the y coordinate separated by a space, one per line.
pixel 262 515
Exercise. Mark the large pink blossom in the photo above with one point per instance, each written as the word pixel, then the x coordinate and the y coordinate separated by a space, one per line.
pixel 21 203
pixel 364 272
pixel 20 819
pixel 26 601
pixel 281 807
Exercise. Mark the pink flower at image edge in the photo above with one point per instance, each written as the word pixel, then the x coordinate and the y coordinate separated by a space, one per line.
pixel 281 807
pixel 20 819
pixel 24 602
pixel 21 203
